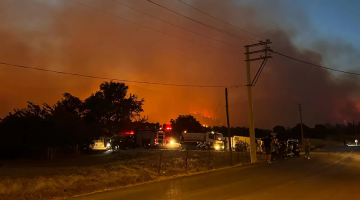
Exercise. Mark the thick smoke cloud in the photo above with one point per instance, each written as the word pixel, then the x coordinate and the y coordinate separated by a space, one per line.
pixel 66 36
pixel 285 83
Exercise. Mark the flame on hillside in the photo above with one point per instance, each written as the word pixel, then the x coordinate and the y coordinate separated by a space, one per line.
pixel 205 119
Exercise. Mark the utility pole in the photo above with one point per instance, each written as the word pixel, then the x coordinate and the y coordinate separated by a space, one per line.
pixel 252 83
pixel 228 125
pixel 302 130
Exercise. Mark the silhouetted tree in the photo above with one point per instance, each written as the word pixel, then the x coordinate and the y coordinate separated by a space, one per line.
pixel 259 133
pixel 186 122
pixel 27 128
pixel 296 131
pixel 239 131
pixel 71 104
pixel 70 121
pixel 320 132
pixel 221 129
pixel 111 108
pixel 282 133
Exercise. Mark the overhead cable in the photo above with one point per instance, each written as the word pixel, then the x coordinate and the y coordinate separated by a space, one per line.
pixel 112 15
pixel 316 65
pixel 206 25
pixel 115 79
pixel 220 20
pixel 173 24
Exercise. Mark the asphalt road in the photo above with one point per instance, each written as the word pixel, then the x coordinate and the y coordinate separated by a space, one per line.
pixel 330 174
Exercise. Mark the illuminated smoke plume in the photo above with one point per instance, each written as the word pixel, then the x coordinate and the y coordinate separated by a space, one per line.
pixel 66 36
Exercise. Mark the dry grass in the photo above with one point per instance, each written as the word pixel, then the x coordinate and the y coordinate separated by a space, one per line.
pixel 70 181
pixel 85 180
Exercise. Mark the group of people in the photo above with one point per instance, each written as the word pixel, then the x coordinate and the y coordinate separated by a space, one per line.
pixel 272 143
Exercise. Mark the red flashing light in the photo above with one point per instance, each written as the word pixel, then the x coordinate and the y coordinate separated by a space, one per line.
pixel 129 133
pixel 168 128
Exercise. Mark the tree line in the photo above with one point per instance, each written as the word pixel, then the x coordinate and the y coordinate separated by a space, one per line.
pixel 319 131
pixel 70 122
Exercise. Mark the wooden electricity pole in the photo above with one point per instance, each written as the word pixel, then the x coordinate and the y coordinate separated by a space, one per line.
pixel 250 84
pixel 228 125
pixel 301 123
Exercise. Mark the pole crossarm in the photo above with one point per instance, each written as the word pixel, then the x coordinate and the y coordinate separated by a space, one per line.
pixel 258 44
pixel 260 58
pixel 259 51
pixel 266 49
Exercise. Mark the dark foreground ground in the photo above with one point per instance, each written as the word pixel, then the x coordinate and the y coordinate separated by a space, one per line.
pixel 330 174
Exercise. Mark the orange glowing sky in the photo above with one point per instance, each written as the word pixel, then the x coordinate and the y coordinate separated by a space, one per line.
pixel 66 36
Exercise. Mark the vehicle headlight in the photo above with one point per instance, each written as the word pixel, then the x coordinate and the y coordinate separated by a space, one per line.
pixel 171 142
pixel 108 145
pixel 217 147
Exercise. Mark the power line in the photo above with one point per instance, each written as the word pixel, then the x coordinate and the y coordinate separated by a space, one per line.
pixel 220 20
pixel 173 24
pixel 257 76
pixel 328 68
pixel 211 27
pixel 122 80
pixel 219 105
pixel 112 15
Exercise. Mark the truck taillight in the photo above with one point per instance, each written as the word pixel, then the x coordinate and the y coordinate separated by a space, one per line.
pixel 129 133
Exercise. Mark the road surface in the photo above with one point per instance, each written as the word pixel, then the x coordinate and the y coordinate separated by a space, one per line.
pixel 330 174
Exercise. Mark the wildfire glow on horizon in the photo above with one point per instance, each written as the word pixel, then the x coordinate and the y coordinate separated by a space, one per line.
pixel 206 119
pixel 69 37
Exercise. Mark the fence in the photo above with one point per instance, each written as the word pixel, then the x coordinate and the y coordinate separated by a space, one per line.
pixel 173 162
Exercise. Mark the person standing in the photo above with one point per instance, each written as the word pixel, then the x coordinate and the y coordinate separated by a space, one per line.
pixel 225 143
pixel 257 145
pixel 307 148
pixel 267 145
pixel 274 149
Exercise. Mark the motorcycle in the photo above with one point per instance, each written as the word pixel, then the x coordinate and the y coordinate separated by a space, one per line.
pixel 286 150
pixel 296 148
pixel 283 150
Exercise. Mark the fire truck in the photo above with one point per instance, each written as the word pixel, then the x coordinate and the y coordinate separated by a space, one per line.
pixel 155 138
pixel 165 135
pixel 123 140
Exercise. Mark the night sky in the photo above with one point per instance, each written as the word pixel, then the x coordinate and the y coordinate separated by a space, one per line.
pixel 66 36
